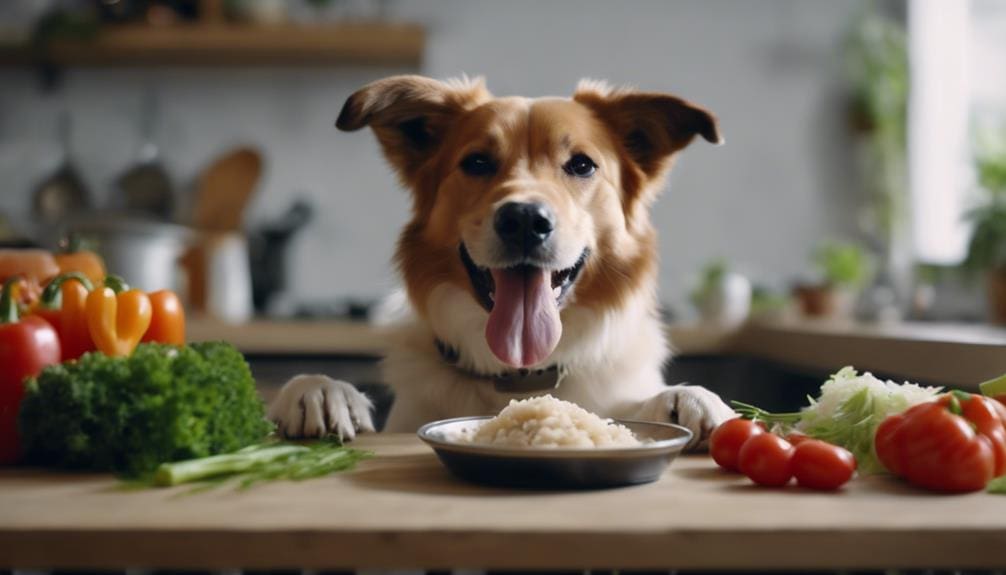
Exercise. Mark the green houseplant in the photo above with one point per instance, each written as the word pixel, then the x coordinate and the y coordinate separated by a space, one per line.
pixel 843 268
pixel 987 247
pixel 722 296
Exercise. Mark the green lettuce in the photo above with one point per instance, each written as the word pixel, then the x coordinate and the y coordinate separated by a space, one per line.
pixel 848 411
pixel 851 407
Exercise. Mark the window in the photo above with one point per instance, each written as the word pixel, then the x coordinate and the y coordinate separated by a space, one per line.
pixel 939 144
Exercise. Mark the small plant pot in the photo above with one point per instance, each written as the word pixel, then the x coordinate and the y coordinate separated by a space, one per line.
pixel 995 282
pixel 729 302
pixel 823 301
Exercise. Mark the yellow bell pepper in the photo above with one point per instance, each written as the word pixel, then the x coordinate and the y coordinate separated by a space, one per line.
pixel 117 317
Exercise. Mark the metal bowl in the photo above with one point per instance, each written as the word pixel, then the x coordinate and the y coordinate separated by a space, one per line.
pixel 551 468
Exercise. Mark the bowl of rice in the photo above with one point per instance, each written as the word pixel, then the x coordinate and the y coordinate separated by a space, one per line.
pixel 544 442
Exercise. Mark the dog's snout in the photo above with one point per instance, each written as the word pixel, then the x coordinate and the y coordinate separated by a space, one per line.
pixel 524 225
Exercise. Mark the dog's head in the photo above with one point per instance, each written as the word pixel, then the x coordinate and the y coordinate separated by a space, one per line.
pixel 528 205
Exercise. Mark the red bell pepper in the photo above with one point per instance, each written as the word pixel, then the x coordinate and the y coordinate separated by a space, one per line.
pixel 954 444
pixel 996 389
pixel 26 346
pixel 63 304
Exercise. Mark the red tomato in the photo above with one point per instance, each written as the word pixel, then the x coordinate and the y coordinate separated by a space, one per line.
pixel 766 459
pixel 821 465
pixel 25 348
pixel 796 438
pixel 726 441
pixel 932 447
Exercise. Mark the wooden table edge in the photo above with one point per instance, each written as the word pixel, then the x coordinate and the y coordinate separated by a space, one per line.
pixel 328 549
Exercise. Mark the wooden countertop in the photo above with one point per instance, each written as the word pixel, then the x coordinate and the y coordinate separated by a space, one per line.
pixel 402 510
pixel 954 354
pixel 963 355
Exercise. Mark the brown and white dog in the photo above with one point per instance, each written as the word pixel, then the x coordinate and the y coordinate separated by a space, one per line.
pixel 530 260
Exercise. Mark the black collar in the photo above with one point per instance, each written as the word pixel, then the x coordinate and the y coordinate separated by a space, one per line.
pixel 516 381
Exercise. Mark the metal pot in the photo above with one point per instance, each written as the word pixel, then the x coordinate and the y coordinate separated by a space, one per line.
pixel 144 252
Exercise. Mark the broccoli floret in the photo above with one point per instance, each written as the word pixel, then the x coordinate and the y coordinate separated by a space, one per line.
pixel 129 415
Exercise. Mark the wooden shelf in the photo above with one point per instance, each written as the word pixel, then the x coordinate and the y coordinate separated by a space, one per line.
pixel 234 45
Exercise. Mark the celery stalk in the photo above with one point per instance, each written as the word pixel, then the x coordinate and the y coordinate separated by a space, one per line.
pixel 268 461
pixel 994 387
pixel 218 465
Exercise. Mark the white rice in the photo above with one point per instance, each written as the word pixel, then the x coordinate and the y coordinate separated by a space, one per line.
pixel 548 422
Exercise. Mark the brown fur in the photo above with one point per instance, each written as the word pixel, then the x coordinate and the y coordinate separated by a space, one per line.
pixel 612 361
pixel 426 127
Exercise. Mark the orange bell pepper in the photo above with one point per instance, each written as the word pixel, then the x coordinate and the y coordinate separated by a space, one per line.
pixel 85 262
pixel 64 305
pixel 32 267
pixel 117 317
pixel 168 322
pixel 35 266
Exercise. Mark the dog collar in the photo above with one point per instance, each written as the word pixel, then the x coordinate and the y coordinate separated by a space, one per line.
pixel 515 381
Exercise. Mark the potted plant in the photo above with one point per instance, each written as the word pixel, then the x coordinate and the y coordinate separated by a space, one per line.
pixel 987 248
pixel 722 297
pixel 842 269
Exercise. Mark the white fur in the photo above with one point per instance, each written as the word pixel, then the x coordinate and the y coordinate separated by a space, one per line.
pixel 317 405
pixel 614 362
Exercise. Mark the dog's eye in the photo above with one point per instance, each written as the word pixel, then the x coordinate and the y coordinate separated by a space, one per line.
pixel 580 165
pixel 478 164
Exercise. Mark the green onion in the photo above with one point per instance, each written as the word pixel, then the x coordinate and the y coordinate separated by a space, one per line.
pixel 269 461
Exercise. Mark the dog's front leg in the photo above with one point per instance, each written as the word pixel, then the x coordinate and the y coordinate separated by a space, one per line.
pixel 317 405
pixel 692 406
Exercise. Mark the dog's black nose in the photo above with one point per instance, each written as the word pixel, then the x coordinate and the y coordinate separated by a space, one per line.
pixel 524 226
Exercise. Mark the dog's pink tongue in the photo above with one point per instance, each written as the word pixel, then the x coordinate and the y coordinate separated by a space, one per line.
pixel 524 325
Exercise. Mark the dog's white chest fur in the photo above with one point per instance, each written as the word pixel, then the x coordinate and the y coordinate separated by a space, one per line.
pixel 612 361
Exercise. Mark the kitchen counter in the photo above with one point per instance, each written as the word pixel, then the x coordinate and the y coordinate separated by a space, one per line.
pixel 954 354
pixel 402 509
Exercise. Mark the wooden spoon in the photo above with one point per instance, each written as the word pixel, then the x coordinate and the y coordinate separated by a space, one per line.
pixel 224 190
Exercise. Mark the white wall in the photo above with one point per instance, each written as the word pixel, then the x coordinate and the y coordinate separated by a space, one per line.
pixel 771 69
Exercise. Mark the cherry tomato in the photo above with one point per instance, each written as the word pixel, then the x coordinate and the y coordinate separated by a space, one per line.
pixel 766 459
pixel 821 465
pixel 726 441
pixel 796 438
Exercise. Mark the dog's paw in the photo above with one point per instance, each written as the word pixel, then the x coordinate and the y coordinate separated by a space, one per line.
pixel 317 405
pixel 691 406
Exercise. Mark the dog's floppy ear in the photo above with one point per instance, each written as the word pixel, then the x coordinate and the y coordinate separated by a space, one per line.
pixel 409 114
pixel 651 127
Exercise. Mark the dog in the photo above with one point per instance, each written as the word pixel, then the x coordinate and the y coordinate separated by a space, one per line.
pixel 529 262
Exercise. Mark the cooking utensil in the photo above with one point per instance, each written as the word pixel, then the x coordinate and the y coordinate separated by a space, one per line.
pixel 63 192
pixel 225 188
pixel 146 188
pixel 545 468
pixel 145 252
pixel 268 252
pixel 219 276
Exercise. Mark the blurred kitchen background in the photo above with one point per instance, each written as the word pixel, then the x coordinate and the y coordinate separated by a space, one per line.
pixel 865 161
